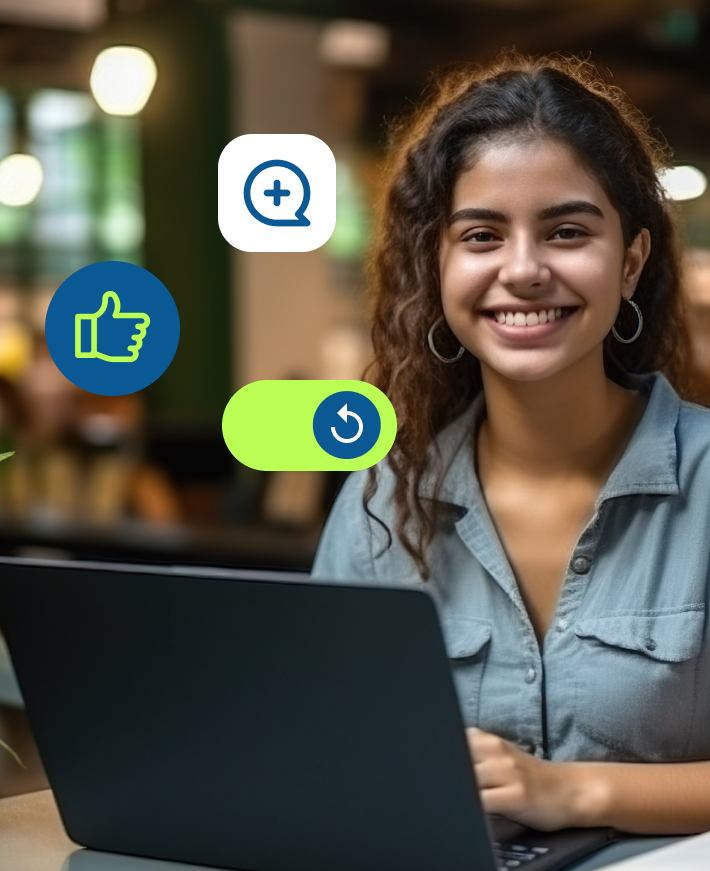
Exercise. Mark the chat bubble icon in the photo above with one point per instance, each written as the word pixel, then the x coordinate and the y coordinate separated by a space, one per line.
pixel 277 194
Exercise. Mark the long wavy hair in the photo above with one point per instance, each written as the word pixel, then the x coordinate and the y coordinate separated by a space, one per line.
pixel 561 97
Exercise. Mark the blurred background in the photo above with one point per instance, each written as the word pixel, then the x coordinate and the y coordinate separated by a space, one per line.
pixel 109 153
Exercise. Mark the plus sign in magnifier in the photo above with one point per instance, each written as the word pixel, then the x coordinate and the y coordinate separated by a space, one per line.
pixel 279 204
pixel 276 192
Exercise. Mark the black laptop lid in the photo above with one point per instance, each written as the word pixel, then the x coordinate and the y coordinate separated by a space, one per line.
pixel 269 725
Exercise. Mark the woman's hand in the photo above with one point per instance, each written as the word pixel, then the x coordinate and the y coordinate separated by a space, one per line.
pixel 535 792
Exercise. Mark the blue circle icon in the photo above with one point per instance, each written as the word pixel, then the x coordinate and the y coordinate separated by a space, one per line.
pixel 346 425
pixel 112 328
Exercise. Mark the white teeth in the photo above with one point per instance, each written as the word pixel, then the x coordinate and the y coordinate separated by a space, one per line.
pixel 521 319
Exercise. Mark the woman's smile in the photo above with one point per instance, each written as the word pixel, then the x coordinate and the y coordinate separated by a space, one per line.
pixel 539 323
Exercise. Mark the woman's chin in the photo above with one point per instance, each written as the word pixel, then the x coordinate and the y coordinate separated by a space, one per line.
pixel 534 368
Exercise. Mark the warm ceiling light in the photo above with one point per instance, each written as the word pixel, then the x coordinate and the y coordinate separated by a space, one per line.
pixel 20 179
pixel 349 43
pixel 122 79
pixel 684 182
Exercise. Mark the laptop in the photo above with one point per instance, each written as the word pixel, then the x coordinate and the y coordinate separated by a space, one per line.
pixel 254 720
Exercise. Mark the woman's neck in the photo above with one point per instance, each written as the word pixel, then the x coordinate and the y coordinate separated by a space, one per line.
pixel 576 421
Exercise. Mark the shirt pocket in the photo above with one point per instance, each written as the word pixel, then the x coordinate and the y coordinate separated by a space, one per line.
pixel 635 684
pixel 467 642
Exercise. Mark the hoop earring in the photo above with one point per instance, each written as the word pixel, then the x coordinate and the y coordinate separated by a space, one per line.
pixel 638 329
pixel 430 339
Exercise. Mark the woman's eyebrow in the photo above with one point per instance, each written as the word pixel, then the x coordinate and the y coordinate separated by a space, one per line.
pixel 573 207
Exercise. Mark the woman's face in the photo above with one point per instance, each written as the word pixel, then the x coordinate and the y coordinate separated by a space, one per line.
pixel 531 232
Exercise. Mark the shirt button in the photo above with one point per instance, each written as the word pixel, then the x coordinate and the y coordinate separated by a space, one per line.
pixel 530 676
pixel 650 644
pixel 581 564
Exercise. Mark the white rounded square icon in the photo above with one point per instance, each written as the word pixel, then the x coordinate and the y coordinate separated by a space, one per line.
pixel 276 192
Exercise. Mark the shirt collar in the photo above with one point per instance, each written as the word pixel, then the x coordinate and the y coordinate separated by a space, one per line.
pixel 647 465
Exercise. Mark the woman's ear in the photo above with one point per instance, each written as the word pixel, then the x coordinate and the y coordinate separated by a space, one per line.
pixel 636 257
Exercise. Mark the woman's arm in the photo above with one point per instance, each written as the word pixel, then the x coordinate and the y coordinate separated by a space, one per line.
pixel 669 798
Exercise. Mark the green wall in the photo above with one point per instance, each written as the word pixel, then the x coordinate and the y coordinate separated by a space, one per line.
pixel 185 128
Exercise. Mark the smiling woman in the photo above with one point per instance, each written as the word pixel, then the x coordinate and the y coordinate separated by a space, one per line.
pixel 550 476
pixel 528 171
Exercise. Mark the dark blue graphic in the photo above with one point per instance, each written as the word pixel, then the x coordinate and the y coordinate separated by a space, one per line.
pixel 346 425
pixel 112 328
pixel 277 192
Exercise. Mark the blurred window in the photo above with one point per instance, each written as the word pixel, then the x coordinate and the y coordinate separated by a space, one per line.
pixel 90 206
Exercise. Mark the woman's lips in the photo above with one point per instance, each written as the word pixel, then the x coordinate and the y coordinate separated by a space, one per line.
pixel 528 333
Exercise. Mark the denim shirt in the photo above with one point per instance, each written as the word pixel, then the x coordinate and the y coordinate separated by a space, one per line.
pixel 623 672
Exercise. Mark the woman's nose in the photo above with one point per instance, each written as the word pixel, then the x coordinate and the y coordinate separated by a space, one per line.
pixel 523 265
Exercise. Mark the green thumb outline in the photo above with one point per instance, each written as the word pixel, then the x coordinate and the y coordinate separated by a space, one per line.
pixel 93 319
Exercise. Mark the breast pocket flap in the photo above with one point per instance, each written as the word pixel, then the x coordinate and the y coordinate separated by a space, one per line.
pixel 670 636
pixel 465 636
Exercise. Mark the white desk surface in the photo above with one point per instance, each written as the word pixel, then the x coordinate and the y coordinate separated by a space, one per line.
pixel 32 838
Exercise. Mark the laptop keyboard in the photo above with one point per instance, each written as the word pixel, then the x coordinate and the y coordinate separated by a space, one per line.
pixel 516 855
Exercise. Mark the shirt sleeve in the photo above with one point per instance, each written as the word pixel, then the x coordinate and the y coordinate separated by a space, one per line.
pixel 344 551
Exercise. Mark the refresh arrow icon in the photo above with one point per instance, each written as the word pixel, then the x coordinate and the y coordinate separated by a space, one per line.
pixel 344 413
pixel 347 404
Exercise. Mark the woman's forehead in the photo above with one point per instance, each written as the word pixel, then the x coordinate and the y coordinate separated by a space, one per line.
pixel 523 177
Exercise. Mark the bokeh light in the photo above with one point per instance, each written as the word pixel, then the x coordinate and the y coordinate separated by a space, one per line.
pixel 20 179
pixel 684 182
pixel 122 79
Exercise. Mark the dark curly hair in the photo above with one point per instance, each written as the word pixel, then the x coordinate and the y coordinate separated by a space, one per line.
pixel 559 96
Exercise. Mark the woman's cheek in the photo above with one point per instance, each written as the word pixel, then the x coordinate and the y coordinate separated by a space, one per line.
pixel 462 288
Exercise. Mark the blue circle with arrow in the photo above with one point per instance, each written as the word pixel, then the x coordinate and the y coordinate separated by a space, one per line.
pixel 346 425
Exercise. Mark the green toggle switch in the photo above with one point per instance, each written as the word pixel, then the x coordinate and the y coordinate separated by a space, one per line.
pixel 309 425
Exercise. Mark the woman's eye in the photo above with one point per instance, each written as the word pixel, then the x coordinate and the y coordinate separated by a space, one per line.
pixel 569 230
pixel 474 237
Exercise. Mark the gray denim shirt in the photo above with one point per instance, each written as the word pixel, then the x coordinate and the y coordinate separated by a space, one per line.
pixel 624 670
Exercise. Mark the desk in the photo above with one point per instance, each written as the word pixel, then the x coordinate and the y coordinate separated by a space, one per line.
pixel 32 838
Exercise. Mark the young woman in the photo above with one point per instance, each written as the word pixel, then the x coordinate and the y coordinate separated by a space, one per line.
pixel 550 480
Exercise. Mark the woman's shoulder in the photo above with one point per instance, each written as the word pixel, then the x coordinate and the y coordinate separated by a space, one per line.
pixel 444 449
pixel 693 452
pixel 346 546
pixel 355 532
pixel 695 418
pixel 676 428
pixel 349 502
pixel 693 430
